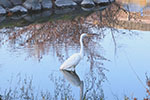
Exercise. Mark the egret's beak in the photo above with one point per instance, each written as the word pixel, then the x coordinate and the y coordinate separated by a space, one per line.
pixel 89 35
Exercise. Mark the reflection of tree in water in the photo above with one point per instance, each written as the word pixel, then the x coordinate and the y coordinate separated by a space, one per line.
pixel 60 88
pixel 41 37
pixel 56 35
pixel 23 89
pixel 93 85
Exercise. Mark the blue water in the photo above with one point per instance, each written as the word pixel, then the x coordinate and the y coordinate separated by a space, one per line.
pixel 110 77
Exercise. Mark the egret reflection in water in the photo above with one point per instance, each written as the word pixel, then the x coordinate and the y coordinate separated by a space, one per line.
pixel 74 79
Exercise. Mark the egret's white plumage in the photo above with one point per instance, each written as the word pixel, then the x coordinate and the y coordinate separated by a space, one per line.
pixel 73 60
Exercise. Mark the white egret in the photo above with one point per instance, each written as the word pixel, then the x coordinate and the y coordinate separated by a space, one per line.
pixel 73 60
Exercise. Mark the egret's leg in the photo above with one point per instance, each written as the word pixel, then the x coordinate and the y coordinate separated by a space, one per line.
pixel 74 69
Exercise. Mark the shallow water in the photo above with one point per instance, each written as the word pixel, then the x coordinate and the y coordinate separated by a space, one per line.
pixel 113 67
pixel 114 77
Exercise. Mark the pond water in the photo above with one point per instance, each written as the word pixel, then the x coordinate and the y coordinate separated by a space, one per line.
pixel 115 64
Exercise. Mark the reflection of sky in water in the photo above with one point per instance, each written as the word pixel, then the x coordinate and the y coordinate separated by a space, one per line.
pixel 133 7
pixel 121 79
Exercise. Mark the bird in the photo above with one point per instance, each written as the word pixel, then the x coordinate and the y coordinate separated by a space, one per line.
pixel 73 60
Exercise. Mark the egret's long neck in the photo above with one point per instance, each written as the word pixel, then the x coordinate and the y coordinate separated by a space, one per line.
pixel 81 47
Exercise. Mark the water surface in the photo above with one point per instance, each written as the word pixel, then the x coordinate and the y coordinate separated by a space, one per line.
pixel 30 58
